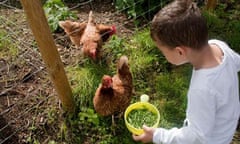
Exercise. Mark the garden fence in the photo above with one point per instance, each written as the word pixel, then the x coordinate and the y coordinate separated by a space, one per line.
pixel 26 91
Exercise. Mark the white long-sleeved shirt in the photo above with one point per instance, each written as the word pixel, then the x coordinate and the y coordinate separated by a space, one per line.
pixel 213 104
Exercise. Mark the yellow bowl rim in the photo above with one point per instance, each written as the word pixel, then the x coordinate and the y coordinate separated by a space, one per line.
pixel 135 106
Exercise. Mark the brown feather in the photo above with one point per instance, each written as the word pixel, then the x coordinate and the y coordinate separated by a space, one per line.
pixel 118 97
pixel 74 30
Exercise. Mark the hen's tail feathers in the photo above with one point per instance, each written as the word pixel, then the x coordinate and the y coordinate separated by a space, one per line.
pixel 90 18
pixel 62 24
pixel 123 66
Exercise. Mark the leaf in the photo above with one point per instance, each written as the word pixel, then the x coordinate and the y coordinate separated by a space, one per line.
pixel 56 11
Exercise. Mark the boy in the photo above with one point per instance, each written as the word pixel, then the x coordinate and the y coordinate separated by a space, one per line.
pixel 213 108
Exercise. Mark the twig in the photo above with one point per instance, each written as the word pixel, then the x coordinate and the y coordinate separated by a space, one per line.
pixel 3 2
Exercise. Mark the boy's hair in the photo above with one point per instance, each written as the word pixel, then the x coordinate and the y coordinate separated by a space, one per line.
pixel 180 23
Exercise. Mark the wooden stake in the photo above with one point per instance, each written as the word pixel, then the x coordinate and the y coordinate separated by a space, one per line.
pixel 41 31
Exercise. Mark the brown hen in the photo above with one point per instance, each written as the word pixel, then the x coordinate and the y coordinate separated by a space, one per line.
pixel 74 30
pixel 114 93
pixel 90 35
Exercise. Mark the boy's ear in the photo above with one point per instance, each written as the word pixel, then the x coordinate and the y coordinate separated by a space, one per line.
pixel 181 50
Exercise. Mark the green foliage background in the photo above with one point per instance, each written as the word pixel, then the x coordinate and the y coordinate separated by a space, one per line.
pixel 224 24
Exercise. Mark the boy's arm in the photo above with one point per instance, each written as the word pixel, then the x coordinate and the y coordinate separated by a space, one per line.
pixel 201 118
pixel 176 136
pixel 234 56
pixel 236 60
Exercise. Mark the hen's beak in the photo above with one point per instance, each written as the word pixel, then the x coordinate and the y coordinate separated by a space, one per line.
pixel 111 85
pixel 93 54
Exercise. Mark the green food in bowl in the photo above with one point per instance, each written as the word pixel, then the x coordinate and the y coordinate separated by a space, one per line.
pixel 140 106
pixel 139 117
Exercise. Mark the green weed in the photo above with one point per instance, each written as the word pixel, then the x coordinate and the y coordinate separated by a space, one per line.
pixel 56 11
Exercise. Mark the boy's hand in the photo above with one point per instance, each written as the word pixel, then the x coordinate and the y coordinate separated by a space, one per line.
pixel 147 136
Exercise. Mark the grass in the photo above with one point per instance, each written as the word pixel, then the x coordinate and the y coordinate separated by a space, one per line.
pixel 137 118
pixel 148 67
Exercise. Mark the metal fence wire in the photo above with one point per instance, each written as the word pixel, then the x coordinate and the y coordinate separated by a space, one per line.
pixel 27 96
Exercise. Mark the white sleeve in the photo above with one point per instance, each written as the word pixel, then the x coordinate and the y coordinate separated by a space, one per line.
pixel 183 135
pixel 200 115
pixel 235 57
pixel 229 52
pixel 236 60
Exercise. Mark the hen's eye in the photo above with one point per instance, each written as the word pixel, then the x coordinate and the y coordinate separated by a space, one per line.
pixel 81 45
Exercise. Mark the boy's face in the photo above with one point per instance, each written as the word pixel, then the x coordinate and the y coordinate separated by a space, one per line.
pixel 176 56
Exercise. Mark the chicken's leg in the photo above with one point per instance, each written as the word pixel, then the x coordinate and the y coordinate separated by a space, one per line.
pixel 113 125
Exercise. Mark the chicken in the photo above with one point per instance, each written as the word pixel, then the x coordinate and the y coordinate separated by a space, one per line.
pixel 74 30
pixel 90 35
pixel 114 93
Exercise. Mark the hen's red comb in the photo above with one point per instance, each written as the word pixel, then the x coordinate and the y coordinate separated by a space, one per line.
pixel 114 30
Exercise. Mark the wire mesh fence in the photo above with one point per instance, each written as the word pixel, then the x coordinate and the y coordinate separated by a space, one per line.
pixel 27 97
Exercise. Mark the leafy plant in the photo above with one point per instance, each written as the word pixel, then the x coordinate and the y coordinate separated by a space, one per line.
pixel 87 115
pixel 56 11
pixel 113 49
pixel 139 8
pixel 130 6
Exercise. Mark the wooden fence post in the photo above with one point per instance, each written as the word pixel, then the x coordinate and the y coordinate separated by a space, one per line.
pixel 38 23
